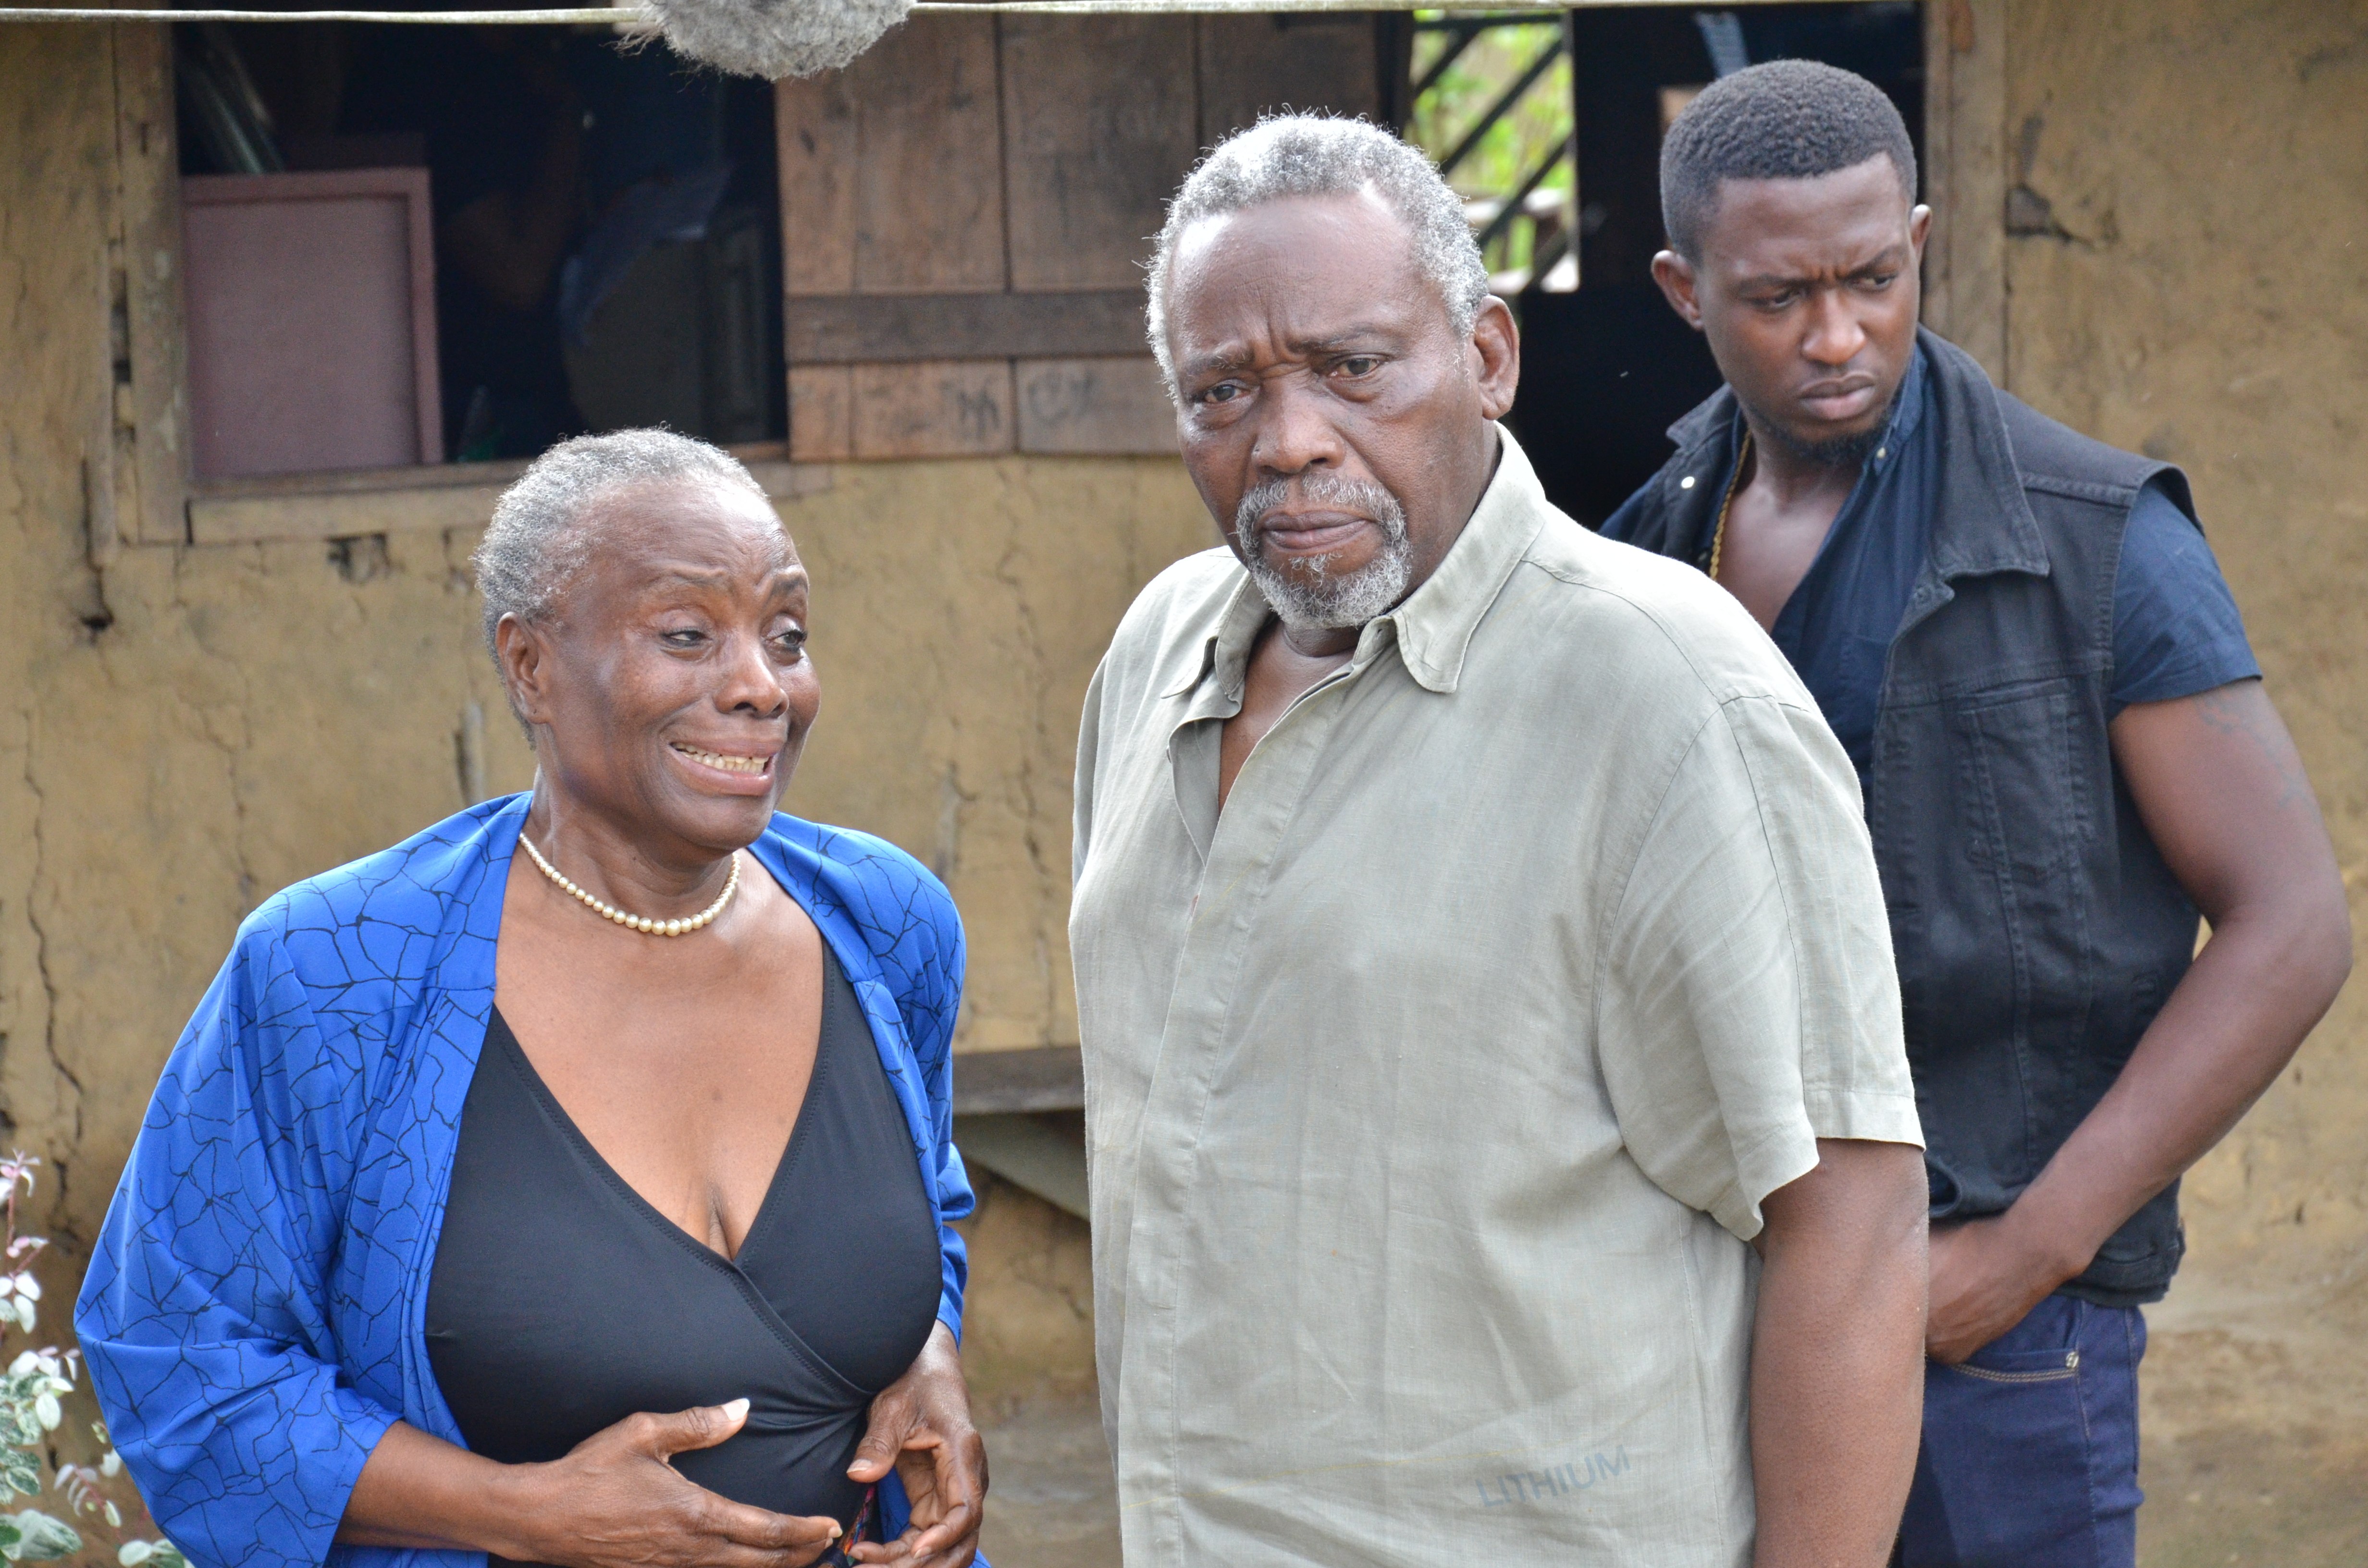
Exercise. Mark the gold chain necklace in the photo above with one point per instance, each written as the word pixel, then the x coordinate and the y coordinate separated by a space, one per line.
pixel 1734 483
pixel 641 923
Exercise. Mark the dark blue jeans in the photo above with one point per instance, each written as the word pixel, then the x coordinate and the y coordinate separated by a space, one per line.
pixel 2031 1448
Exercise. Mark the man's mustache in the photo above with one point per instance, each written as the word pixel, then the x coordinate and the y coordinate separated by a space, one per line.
pixel 1362 497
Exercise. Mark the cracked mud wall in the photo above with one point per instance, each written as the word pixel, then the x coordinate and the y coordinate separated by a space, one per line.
pixel 2187 272
pixel 959 610
pixel 182 731
pixel 2203 298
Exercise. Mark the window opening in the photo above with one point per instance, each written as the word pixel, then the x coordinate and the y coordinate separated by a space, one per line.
pixel 1492 106
pixel 605 229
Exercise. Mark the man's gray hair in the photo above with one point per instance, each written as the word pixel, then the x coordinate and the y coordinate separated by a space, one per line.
pixel 1308 155
pixel 536 543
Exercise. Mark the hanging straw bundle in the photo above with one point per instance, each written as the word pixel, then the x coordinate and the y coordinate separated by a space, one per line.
pixel 773 39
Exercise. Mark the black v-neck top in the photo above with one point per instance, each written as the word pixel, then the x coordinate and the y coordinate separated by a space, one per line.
pixel 562 1302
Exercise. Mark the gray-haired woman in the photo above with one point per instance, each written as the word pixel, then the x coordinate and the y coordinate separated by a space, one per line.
pixel 586 1206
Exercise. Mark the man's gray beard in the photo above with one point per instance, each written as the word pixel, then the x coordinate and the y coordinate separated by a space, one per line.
pixel 1306 595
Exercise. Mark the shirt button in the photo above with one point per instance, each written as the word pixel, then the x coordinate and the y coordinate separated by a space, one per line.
pixel 1686 482
pixel 1881 453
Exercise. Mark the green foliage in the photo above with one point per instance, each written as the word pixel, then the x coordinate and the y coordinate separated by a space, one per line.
pixel 30 1537
pixel 21 1468
pixel 29 1391
pixel 1536 128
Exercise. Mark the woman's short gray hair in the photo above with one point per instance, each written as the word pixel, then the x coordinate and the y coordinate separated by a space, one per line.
pixel 536 543
pixel 1310 155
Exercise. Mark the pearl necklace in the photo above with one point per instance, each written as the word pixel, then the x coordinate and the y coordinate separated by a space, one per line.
pixel 639 922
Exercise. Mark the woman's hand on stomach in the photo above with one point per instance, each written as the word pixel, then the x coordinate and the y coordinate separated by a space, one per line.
pixel 614 1502
pixel 921 1427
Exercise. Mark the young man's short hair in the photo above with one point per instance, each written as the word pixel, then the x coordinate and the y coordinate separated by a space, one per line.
pixel 1786 120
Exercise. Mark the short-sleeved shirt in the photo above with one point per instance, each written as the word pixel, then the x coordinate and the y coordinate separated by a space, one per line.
pixel 2176 628
pixel 1433 1087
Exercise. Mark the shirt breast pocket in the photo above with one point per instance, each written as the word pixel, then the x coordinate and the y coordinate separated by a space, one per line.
pixel 2026 805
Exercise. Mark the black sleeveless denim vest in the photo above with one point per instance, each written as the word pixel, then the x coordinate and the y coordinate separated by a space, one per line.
pixel 2036 926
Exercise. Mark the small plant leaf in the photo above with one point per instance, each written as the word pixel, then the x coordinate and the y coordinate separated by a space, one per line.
pixel 22 1470
pixel 43 1539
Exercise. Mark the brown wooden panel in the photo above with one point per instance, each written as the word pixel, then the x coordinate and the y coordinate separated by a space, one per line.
pixel 822 400
pixel 378 501
pixel 150 163
pixel 239 520
pixel 851 329
pixel 889 173
pixel 1050 1078
pixel 365 481
pixel 1093 405
pixel 815 134
pixel 1254 64
pixel 934 409
pixel 1100 122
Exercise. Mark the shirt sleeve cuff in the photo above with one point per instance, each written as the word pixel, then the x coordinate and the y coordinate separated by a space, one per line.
pixel 1788 1154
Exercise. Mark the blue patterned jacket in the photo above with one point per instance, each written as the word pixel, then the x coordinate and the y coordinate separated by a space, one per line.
pixel 254 1312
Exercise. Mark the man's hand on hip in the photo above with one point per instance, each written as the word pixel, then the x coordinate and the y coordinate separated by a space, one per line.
pixel 1987 1276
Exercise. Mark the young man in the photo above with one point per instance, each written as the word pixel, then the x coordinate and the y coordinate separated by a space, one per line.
pixel 1478 954
pixel 2064 752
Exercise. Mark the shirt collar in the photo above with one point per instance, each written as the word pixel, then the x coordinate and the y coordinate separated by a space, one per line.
pixel 1907 416
pixel 1226 650
pixel 1433 626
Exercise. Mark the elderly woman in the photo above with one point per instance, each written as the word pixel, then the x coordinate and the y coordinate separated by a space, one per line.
pixel 588 1205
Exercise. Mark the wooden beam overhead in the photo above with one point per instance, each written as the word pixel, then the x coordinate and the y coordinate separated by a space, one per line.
pixel 839 329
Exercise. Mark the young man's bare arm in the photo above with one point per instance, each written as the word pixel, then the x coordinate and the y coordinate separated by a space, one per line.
pixel 2221 789
pixel 1837 1357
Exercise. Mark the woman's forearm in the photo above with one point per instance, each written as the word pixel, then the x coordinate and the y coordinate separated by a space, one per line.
pixel 614 1500
pixel 421 1492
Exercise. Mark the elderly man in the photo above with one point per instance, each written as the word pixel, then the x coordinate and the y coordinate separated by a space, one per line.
pixel 2021 640
pixel 1503 1146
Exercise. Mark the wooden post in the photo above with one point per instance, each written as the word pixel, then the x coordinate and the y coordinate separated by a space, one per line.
pixel 151 422
pixel 1965 178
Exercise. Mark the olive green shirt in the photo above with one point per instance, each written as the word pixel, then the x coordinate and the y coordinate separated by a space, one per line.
pixel 1433 1087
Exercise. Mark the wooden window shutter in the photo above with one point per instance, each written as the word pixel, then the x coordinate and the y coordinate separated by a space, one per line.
pixel 967 209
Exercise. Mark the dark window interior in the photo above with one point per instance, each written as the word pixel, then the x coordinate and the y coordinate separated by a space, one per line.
pixel 1607 369
pixel 608 242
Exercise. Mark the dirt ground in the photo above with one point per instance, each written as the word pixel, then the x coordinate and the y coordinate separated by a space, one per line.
pixel 1054 1503
pixel 2254 1448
